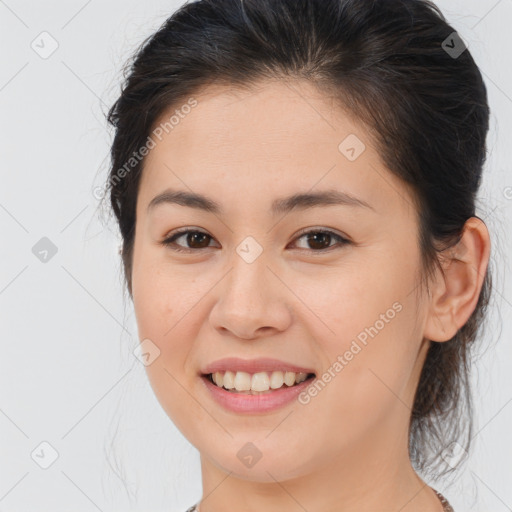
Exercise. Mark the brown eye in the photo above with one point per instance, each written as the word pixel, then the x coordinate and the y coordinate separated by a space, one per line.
pixel 316 240
pixel 319 241
pixel 197 239
pixel 194 240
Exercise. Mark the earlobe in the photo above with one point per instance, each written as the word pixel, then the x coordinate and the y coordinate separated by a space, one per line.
pixel 456 291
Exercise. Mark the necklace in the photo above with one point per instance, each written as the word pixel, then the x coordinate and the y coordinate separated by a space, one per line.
pixel 446 506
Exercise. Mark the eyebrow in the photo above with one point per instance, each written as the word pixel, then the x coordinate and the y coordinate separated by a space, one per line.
pixel 301 201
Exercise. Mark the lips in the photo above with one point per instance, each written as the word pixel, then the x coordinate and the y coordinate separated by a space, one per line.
pixel 261 403
pixel 253 366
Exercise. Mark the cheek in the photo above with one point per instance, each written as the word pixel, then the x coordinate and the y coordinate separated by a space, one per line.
pixel 369 301
pixel 164 316
pixel 161 312
pixel 373 349
pixel 166 302
pixel 160 293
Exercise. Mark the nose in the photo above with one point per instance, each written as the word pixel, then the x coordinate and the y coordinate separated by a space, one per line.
pixel 252 301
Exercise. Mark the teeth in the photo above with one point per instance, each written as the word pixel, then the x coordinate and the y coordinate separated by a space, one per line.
pixel 276 380
pixel 229 380
pixel 259 382
pixel 219 379
pixel 289 378
pixel 301 377
pixel 242 381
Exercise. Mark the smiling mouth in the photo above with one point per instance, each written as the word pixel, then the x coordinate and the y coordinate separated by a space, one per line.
pixel 261 383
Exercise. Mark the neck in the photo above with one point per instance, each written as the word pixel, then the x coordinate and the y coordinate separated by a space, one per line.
pixel 375 475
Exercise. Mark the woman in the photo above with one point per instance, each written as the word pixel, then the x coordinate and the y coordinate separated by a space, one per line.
pixel 310 376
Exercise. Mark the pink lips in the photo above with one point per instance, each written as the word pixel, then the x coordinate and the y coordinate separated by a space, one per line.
pixel 252 366
pixel 261 403
pixel 239 402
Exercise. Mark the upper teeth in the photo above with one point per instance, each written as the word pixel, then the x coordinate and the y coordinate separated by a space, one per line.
pixel 261 381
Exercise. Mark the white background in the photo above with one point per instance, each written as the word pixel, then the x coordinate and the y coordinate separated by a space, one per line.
pixel 67 373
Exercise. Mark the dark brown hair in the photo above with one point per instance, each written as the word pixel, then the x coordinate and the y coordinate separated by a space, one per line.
pixel 389 63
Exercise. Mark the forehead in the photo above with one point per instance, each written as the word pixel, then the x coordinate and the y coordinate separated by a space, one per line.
pixel 275 113
pixel 271 135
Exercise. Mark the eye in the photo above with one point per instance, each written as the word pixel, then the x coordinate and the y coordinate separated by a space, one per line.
pixel 321 239
pixel 193 237
pixel 196 240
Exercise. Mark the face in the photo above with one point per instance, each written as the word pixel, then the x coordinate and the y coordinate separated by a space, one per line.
pixel 328 287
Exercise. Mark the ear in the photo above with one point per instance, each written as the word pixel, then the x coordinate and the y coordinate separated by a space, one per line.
pixel 455 294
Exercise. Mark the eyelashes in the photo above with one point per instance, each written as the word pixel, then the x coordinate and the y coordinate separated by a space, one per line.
pixel 193 236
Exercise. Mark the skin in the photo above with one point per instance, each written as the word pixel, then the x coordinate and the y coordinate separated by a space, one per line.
pixel 346 450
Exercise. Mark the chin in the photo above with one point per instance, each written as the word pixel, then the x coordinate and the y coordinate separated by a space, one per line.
pixel 259 461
